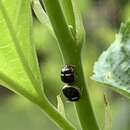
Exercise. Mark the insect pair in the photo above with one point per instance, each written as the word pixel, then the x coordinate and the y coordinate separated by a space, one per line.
pixel 71 92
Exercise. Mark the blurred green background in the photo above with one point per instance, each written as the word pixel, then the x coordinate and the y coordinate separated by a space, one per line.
pixel 102 19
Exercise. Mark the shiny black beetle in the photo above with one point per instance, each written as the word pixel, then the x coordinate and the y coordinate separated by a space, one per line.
pixel 71 93
pixel 67 74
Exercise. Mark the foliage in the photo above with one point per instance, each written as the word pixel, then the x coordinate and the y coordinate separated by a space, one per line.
pixel 113 65
pixel 19 69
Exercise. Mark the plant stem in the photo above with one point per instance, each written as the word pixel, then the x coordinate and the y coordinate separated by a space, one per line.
pixel 61 29
pixel 71 55
pixel 84 106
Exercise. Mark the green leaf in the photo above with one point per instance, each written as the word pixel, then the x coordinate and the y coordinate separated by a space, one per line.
pixel 107 125
pixel 80 31
pixel 42 16
pixel 113 66
pixel 67 8
pixel 19 69
pixel 40 13
pixel 60 105
pixel 74 19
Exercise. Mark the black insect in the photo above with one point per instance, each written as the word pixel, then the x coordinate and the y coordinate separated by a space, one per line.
pixel 67 74
pixel 71 93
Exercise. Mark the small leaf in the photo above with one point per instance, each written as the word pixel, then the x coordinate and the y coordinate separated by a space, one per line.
pixel 60 105
pixel 68 12
pixel 113 66
pixel 74 19
pixel 19 69
pixel 40 13
pixel 42 16
pixel 80 31
pixel 107 119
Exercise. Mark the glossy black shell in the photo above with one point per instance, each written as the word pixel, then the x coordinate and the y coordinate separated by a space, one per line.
pixel 67 74
pixel 71 93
